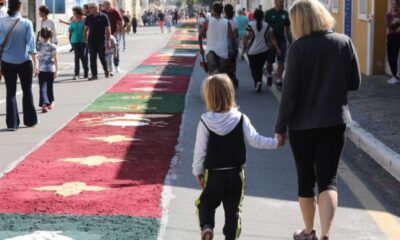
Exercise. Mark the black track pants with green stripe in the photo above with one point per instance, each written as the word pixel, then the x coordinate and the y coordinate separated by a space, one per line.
pixel 226 186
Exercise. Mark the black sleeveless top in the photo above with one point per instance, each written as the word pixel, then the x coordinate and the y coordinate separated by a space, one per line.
pixel 227 151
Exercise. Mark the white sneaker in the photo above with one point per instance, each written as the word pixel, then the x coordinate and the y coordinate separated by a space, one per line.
pixel 393 81
pixel 117 69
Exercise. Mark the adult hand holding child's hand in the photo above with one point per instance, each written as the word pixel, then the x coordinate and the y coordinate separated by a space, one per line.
pixel 281 139
pixel 200 180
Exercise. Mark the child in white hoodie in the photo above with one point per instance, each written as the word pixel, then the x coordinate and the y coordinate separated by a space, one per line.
pixel 220 156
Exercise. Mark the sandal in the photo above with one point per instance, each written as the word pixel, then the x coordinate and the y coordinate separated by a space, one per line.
pixel 302 235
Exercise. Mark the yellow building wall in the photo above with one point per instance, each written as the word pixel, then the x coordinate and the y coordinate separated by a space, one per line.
pixel 360 36
pixel 339 17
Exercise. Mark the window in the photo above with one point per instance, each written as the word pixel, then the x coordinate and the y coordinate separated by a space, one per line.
pixel 326 3
pixel 363 9
pixel 59 6
pixel 335 6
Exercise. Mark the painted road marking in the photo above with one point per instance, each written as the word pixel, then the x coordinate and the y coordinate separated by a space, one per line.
pixel 386 221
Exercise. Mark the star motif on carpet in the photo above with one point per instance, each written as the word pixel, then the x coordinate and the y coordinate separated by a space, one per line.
pixel 92 161
pixel 133 107
pixel 142 97
pixel 70 189
pixel 156 81
pixel 114 139
pixel 42 235
pixel 127 120
pixel 148 89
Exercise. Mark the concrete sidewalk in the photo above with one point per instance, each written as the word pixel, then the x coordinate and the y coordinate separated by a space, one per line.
pixel 376 108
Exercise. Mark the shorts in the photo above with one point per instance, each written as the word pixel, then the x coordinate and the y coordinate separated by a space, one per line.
pixel 272 54
pixel 161 23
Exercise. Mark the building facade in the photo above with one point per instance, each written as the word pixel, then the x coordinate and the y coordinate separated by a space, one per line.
pixel 365 22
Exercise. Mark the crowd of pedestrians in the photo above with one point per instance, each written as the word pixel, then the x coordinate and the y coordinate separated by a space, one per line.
pixel 94 32
pixel 313 108
pixel 263 37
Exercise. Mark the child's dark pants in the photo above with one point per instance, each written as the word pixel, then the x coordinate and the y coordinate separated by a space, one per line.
pixel 226 186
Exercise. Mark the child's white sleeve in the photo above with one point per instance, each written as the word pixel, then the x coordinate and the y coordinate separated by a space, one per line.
pixel 200 149
pixel 254 139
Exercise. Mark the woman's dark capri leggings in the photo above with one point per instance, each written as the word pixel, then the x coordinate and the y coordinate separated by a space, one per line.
pixel 317 153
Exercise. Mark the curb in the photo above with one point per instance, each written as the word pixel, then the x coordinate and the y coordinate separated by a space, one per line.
pixel 368 143
pixel 383 155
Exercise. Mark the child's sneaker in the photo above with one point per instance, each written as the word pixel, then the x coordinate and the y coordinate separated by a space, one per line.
pixel 302 235
pixel 207 234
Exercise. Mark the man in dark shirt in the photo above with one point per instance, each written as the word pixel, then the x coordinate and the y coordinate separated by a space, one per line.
pixel 116 23
pixel 97 35
pixel 278 19
pixel 161 17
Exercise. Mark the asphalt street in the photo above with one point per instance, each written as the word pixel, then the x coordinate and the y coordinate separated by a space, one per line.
pixel 369 197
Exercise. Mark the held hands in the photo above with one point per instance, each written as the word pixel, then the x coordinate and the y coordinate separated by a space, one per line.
pixel 200 180
pixel 55 75
pixel 281 139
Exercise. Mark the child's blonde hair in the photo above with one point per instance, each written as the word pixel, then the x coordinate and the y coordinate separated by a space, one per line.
pixel 218 93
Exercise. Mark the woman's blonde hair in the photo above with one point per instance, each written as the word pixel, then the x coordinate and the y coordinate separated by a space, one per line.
pixel 308 16
pixel 218 93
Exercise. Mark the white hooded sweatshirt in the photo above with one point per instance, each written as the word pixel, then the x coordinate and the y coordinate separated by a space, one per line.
pixel 222 124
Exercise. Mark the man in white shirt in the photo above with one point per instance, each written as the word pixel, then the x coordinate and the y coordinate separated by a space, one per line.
pixel 3 9
pixel 217 30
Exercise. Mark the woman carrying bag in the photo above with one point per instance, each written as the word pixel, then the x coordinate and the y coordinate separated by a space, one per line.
pixel 257 41
pixel 18 60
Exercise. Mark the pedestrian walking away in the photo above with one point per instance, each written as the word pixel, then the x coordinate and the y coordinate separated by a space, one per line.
pixel 46 22
pixel 125 28
pixel 116 23
pixel 76 29
pixel 168 21
pixel 111 51
pixel 3 14
pixel 97 35
pixel 242 23
pixel 393 40
pixel 161 20
pixel 48 68
pixel 134 24
pixel 233 46
pixel 278 19
pixel 201 19
pixel 259 39
pixel 220 173
pixel 3 9
pixel 314 107
pixel 218 32
pixel 176 17
pixel 18 60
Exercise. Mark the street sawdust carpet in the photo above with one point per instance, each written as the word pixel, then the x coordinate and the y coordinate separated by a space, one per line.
pixel 102 175
pixel 163 60
pixel 163 70
pixel 151 84
pixel 133 102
